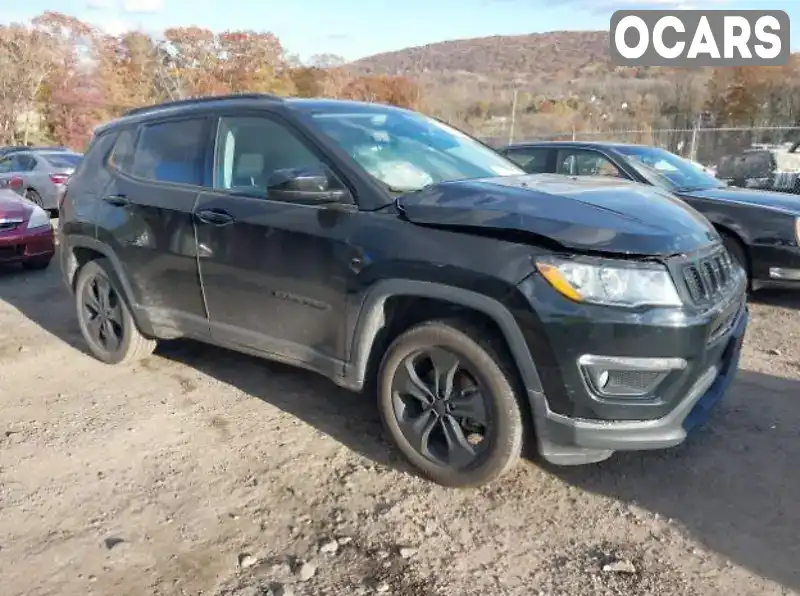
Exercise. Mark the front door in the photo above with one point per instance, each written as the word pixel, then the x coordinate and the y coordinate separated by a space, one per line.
pixel 145 215
pixel 274 272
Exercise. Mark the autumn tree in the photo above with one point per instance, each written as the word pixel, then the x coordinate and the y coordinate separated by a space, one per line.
pixel 398 91
pixel 26 61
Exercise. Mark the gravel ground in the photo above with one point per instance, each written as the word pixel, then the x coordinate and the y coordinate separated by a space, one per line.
pixel 200 471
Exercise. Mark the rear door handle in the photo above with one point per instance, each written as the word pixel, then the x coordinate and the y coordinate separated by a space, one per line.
pixel 215 217
pixel 117 200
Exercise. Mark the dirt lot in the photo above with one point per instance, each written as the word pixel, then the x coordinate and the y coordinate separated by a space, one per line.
pixel 202 471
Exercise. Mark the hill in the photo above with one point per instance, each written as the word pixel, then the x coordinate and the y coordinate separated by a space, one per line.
pixel 471 81
pixel 535 58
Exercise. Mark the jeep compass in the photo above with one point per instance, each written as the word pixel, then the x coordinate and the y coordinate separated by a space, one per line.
pixel 479 305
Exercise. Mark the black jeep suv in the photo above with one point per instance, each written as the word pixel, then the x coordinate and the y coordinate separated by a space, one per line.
pixel 392 253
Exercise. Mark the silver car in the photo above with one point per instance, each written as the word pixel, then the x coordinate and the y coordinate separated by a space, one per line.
pixel 40 176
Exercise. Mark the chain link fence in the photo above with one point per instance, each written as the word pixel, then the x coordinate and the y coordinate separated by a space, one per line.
pixel 704 145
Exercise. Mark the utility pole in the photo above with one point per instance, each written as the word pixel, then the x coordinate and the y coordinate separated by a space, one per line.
pixel 513 115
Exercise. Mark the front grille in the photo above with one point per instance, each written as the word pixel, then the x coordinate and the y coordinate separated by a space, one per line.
pixel 710 277
pixel 11 252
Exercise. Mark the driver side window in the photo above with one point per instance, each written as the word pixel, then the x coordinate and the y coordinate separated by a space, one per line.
pixel 585 162
pixel 252 151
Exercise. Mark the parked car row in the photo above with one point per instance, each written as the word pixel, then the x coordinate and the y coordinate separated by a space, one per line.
pixel 32 183
pixel 38 174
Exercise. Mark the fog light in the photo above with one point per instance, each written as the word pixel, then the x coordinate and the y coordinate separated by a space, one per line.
pixel 610 376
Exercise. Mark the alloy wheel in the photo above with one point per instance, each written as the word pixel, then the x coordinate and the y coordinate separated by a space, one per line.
pixel 441 408
pixel 102 314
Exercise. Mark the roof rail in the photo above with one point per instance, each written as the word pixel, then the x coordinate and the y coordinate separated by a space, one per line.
pixel 199 100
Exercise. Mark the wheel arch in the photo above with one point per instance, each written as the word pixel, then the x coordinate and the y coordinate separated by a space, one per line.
pixel 736 236
pixel 373 318
pixel 81 250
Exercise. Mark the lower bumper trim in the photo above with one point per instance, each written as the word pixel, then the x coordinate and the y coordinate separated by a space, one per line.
pixel 568 441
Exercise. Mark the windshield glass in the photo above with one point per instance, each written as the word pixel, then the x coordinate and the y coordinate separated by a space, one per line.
pixel 408 151
pixel 668 170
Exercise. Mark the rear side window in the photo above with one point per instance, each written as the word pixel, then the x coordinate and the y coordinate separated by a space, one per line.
pixel 166 152
pixel 121 156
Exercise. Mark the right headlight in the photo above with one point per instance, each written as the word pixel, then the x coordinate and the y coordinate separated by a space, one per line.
pixel 797 229
pixel 610 282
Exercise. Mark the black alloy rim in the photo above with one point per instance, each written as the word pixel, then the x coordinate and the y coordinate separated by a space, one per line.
pixel 102 314
pixel 441 407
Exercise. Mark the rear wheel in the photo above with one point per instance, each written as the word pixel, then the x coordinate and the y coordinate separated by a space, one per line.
pixel 447 401
pixel 105 319
pixel 34 197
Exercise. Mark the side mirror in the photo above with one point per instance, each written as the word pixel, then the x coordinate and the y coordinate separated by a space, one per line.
pixel 303 185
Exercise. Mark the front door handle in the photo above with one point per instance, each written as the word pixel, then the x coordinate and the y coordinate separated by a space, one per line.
pixel 215 217
pixel 117 200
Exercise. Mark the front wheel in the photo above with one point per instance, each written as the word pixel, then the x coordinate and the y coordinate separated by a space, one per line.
pixel 738 252
pixel 104 317
pixel 447 400
pixel 34 197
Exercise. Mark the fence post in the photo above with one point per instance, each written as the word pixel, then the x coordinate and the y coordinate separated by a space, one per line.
pixel 693 147
pixel 513 116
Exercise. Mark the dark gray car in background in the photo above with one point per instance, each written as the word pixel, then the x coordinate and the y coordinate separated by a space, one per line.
pixel 39 175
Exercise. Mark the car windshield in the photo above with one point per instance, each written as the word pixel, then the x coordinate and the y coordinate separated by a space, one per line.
pixel 408 151
pixel 63 160
pixel 668 170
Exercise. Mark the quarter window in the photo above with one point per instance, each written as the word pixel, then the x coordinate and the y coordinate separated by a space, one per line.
pixel 531 159
pixel 251 149
pixel 171 152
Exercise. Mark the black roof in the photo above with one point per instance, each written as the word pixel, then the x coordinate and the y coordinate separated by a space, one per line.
pixel 243 100
pixel 596 144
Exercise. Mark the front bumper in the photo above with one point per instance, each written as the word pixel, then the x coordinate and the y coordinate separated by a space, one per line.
pixel 567 441
pixel 576 424
pixel 21 244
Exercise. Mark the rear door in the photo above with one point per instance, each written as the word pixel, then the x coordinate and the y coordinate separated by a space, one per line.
pixel 158 170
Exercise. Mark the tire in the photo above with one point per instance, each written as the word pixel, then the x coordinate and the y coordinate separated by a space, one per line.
pixel 37 264
pixel 34 197
pixel 128 345
pixel 738 252
pixel 479 361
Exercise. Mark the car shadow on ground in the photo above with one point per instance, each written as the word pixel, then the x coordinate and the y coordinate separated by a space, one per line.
pixel 350 418
pixel 733 486
pixel 781 298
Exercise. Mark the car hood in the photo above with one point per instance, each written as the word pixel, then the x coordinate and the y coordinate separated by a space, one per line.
pixel 762 198
pixel 13 206
pixel 583 214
